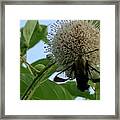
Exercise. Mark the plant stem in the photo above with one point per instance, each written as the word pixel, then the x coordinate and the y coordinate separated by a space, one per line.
pixel 28 90
pixel 29 66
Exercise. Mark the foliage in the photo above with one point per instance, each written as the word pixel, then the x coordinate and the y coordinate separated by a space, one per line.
pixel 34 78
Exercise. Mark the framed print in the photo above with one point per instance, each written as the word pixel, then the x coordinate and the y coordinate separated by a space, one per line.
pixel 60 59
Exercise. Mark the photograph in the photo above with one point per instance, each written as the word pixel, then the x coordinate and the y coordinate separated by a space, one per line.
pixel 60 59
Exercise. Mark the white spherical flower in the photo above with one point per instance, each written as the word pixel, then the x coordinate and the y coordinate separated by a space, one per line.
pixel 70 39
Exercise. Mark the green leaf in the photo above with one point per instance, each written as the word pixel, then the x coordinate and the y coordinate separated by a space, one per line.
pixel 25 79
pixel 44 33
pixel 23 87
pixel 91 83
pixel 39 67
pixel 51 91
pixel 97 91
pixel 39 79
pixel 47 73
pixel 33 33
pixel 74 91
pixel 23 46
pixel 43 61
pixel 96 23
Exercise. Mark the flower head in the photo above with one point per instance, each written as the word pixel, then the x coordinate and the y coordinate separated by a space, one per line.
pixel 70 39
